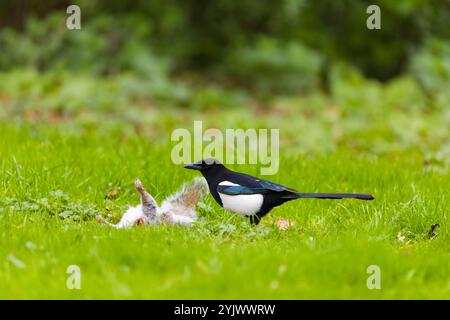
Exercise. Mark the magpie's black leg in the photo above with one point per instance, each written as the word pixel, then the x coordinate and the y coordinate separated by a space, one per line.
pixel 254 220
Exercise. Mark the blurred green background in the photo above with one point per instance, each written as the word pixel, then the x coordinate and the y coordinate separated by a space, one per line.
pixel 274 47
pixel 148 67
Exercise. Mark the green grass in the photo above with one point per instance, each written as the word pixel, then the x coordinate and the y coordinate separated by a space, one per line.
pixel 49 172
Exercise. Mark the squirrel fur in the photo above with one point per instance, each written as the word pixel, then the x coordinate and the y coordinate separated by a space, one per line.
pixel 178 208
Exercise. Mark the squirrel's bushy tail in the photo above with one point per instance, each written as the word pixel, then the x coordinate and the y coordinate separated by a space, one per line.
pixel 183 202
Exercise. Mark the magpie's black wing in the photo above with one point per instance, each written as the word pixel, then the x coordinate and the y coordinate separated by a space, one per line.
pixel 275 187
pixel 250 185
pixel 260 187
pixel 237 190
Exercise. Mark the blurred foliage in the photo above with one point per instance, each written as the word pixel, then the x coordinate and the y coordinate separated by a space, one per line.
pixel 283 46
pixel 284 62
pixel 431 66
pixel 311 68
pixel 360 115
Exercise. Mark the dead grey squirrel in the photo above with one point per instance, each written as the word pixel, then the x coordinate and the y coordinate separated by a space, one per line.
pixel 179 208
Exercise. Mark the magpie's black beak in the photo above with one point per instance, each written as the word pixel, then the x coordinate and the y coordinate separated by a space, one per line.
pixel 193 166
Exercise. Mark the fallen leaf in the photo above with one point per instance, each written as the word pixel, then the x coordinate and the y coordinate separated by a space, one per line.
pixel 283 224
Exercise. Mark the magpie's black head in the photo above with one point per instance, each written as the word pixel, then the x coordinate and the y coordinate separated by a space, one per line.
pixel 206 166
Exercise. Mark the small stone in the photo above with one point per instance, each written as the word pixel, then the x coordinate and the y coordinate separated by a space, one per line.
pixel 17 262
pixel 30 245
pixel 274 284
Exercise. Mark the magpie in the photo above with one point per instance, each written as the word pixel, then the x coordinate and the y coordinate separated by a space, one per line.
pixel 250 196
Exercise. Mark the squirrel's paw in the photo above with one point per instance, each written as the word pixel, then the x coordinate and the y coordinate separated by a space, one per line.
pixel 138 185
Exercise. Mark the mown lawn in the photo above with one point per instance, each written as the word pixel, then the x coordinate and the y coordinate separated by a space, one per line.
pixel 54 180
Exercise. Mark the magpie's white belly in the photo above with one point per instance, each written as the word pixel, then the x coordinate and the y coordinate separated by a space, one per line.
pixel 242 204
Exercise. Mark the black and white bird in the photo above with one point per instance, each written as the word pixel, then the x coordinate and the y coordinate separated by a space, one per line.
pixel 250 196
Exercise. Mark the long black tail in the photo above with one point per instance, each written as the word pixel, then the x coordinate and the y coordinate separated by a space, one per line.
pixel 359 196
